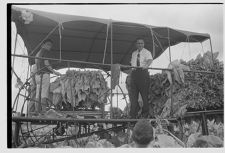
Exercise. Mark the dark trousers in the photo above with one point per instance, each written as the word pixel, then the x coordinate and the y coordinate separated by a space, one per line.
pixel 139 83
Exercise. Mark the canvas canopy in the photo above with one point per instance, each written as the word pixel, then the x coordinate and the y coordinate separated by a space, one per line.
pixel 89 39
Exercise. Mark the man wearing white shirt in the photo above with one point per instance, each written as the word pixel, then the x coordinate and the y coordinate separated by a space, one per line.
pixel 142 59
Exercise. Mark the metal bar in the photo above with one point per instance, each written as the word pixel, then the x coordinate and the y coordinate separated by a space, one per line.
pixel 15 73
pixel 106 41
pixel 171 87
pixel 16 135
pixel 109 65
pixel 207 112
pixel 124 95
pixel 111 71
pixel 171 96
pixel 169 43
pixel 54 120
pixel 204 124
pixel 15 45
pixel 153 43
pixel 211 50
pixel 117 97
pixel 39 97
pixel 60 44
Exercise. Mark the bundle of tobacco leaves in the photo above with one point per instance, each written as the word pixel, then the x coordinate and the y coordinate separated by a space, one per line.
pixel 81 88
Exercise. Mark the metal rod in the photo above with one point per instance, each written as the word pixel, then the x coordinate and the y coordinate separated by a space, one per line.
pixel 124 95
pixel 15 45
pixel 171 87
pixel 117 97
pixel 15 73
pixel 111 70
pixel 55 121
pixel 60 42
pixel 106 41
pixel 169 44
pixel 211 50
pixel 16 134
pixel 39 97
pixel 208 112
pixel 153 42
pixel 204 125
pixel 109 65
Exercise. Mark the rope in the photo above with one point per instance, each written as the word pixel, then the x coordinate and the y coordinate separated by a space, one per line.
pixel 106 40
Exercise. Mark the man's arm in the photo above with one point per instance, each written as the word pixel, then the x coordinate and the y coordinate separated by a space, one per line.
pixel 148 59
pixel 148 63
pixel 50 68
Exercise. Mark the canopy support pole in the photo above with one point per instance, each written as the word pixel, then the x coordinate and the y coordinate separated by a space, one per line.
pixel 171 88
pixel 60 41
pixel 169 44
pixel 211 50
pixel 106 41
pixel 111 71
pixel 117 97
pixel 153 43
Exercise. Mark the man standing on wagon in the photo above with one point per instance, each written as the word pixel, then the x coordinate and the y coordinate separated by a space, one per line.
pixel 42 76
pixel 139 83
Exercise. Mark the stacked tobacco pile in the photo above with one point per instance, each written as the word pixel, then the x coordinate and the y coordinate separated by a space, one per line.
pixel 190 91
pixel 85 89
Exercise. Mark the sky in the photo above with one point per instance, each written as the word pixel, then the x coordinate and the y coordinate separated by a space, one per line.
pixel 204 18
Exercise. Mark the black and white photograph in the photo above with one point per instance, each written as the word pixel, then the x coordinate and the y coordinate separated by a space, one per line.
pixel 115 75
